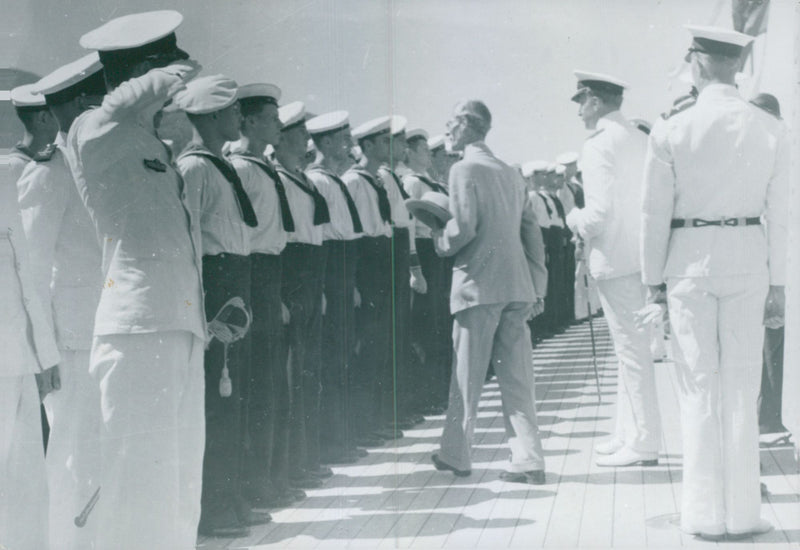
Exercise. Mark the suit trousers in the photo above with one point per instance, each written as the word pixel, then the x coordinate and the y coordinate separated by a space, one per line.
pixel 374 322
pixel 717 328
pixel 265 364
pixel 23 480
pixel 770 399
pixel 225 276
pixel 301 290
pixel 338 346
pixel 496 333
pixel 638 423
pixel 152 439
pixel 73 451
pixel 430 326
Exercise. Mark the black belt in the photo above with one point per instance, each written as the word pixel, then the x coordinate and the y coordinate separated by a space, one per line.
pixel 722 222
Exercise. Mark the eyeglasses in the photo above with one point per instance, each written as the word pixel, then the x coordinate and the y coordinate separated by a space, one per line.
pixel 455 121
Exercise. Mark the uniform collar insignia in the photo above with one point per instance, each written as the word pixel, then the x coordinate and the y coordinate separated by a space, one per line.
pixel 155 165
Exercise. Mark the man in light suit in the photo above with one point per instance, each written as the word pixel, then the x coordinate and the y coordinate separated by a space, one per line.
pixel 609 225
pixel 499 281
pixel 714 168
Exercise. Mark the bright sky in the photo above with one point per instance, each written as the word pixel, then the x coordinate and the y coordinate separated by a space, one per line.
pixel 413 57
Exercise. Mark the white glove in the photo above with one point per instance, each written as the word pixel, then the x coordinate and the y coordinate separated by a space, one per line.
pixel 418 282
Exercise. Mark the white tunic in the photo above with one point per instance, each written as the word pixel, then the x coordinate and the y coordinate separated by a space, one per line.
pixel 25 336
pixel 612 160
pixel 64 253
pixel 340 228
pixel 366 199
pixel 213 202
pixel 269 236
pixel 137 202
pixel 691 174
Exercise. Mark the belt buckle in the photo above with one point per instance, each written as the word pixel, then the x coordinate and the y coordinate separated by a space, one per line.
pixel 731 222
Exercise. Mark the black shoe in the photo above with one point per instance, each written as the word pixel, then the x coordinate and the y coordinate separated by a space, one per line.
pixel 323 472
pixel 359 452
pixel 305 482
pixel 250 517
pixel 295 494
pixel 223 531
pixel 339 458
pixel 387 433
pixel 270 499
pixel 434 410
pixel 532 477
pixel 443 466
pixel 402 424
pixel 370 441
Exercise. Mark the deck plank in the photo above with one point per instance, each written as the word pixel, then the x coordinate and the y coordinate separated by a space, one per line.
pixel 394 498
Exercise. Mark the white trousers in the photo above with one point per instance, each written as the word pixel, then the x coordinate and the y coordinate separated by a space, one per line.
pixel 23 481
pixel 73 451
pixel 498 333
pixel 638 424
pixel 153 437
pixel 718 332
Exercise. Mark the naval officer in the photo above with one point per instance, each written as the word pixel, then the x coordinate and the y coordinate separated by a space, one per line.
pixel 40 129
pixel 715 167
pixel 149 329
pixel 609 225
pixel 66 260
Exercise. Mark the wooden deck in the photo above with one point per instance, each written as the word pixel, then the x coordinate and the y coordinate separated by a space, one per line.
pixel 394 498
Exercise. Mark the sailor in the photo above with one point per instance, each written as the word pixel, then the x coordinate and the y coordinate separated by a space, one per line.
pixel 372 369
pixel 330 134
pixel 430 320
pixel 149 329
pixel 66 261
pixel 397 407
pixel 265 478
pixel 719 300
pixel 609 225
pixel 220 203
pixel 302 281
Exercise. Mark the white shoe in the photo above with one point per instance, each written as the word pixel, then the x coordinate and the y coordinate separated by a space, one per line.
pixel 762 526
pixel 609 447
pixel 628 457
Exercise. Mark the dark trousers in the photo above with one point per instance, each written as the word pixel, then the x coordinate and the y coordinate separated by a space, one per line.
pixel 301 290
pixel 224 276
pixel 374 323
pixel 555 305
pixel 338 345
pixel 264 413
pixel 397 395
pixel 770 400
pixel 430 327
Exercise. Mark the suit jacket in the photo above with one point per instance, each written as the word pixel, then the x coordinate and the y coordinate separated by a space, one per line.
pixel 612 161
pixel 152 274
pixel 493 236
pixel 63 249
pixel 26 339
pixel 722 157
